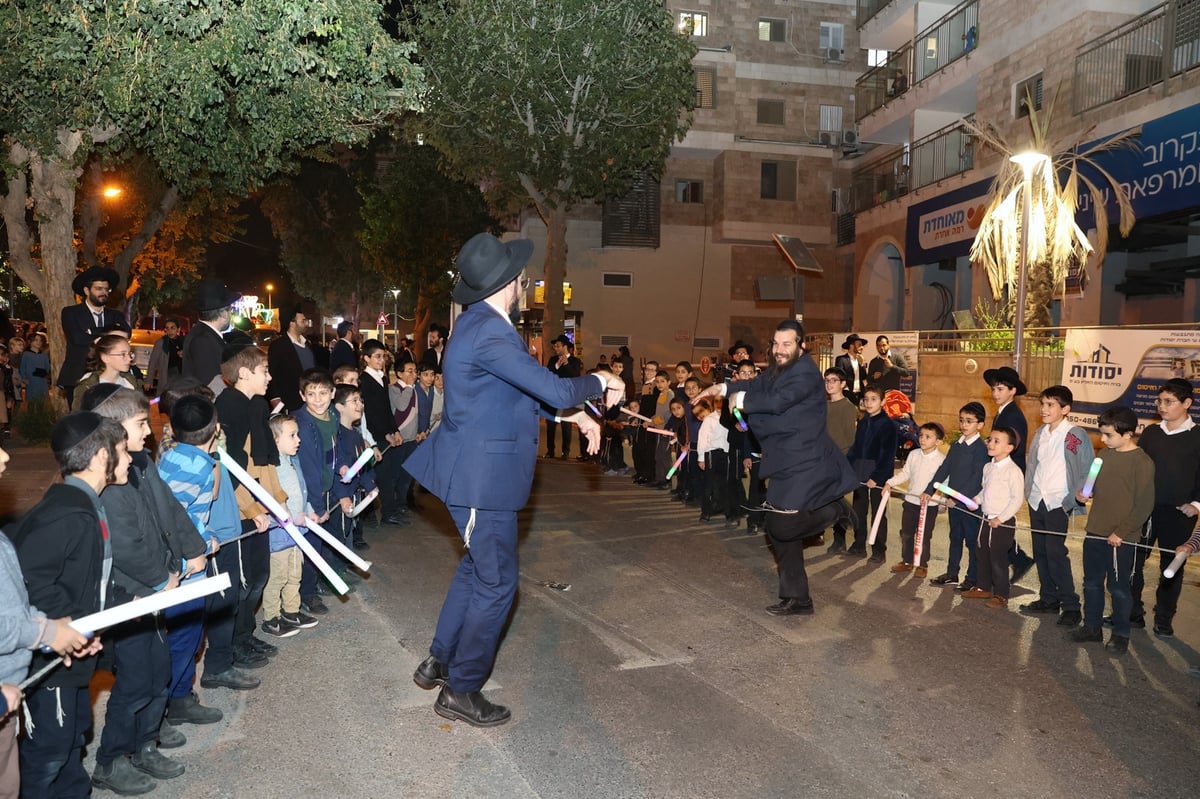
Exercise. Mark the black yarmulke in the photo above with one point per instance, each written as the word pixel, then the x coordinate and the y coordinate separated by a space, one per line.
pixel 191 414
pixel 97 394
pixel 73 428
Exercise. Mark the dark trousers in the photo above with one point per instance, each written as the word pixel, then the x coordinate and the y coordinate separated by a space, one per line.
pixel 964 532
pixel 387 478
pixel 716 483
pixel 1168 529
pixel 404 480
pixel 142 671
pixel 480 596
pixel 220 612
pixel 256 567
pixel 863 498
pixel 185 631
pixel 756 495
pixel 787 532
pixel 663 459
pixel 1051 557
pixel 993 556
pixel 643 454
pixel 51 754
pixel 551 430
pixel 909 517
pixel 1102 562
pixel 309 576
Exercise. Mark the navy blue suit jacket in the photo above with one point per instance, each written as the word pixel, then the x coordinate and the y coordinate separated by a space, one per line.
pixel 483 453
pixel 1012 417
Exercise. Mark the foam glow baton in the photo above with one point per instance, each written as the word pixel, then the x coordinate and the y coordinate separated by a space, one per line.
pixel 338 546
pixel 919 538
pixel 1175 566
pixel 1090 482
pixel 679 460
pixel 879 514
pixel 358 465
pixel 658 430
pixel 285 521
pixel 741 421
pixel 367 500
pixel 628 412
pixel 957 497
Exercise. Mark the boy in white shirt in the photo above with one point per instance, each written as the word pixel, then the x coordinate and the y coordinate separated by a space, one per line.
pixel 919 468
pixel 999 500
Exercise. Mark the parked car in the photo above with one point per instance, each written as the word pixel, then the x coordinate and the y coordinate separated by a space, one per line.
pixel 142 342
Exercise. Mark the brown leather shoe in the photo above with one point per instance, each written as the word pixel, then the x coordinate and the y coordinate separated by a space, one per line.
pixel 901 567
pixel 977 593
pixel 920 571
pixel 997 602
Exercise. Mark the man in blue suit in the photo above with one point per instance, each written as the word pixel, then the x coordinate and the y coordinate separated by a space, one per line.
pixel 480 460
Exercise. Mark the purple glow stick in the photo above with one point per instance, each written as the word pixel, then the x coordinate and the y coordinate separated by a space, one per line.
pixel 957 497
pixel 679 460
pixel 1090 482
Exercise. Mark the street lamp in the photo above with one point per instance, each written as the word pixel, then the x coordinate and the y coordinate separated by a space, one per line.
pixel 270 288
pixel 1029 162
pixel 396 317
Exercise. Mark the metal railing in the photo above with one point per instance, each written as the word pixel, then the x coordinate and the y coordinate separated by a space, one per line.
pixel 868 9
pixel 946 41
pixel 880 84
pixel 881 181
pixel 1164 41
pixel 949 151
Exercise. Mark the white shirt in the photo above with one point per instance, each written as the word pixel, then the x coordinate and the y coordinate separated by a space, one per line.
pixel 1003 491
pixel 712 435
pixel 1187 424
pixel 918 471
pixel 1050 479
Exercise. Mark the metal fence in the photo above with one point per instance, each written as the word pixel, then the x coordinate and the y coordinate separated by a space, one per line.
pixel 939 155
pixel 947 40
pixel 879 85
pixel 869 8
pixel 884 179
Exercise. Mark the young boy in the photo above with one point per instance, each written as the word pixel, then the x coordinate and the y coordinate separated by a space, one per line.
pixel 204 489
pixel 1174 446
pixel 282 616
pixel 841 417
pixel 919 468
pixel 317 429
pixel 1059 458
pixel 1122 500
pixel 873 456
pixel 23 629
pixel 667 454
pixel 63 548
pixel 154 546
pixel 963 471
pixel 347 448
pixel 1006 386
pixel 243 413
pixel 712 450
pixel 999 500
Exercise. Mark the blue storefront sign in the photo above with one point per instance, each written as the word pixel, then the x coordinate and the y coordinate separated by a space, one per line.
pixel 945 226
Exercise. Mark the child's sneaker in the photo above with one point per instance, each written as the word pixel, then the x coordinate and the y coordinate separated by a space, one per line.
pixel 945 580
pixel 300 620
pixel 279 627
pixel 901 567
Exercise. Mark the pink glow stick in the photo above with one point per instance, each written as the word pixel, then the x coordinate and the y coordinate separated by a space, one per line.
pixel 957 497
pixel 879 514
pixel 919 538
pixel 658 430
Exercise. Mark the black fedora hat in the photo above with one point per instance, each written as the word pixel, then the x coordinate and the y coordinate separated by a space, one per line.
pixel 1006 375
pixel 486 264
pixel 850 339
pixel 212 295
pixel 91 275
pixel 741 345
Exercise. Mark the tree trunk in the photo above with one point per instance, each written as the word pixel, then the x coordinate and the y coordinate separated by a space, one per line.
pixel 555 272
pixel 422 318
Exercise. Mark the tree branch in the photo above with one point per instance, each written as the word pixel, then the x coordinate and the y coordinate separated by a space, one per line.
pixel 123 262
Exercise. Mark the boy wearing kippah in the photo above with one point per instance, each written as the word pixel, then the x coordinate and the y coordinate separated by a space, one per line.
pixel 963 471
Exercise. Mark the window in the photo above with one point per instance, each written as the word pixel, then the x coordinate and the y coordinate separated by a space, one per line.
pixel 622 280
pixel 693 23
pixel 770 112
pixel 831 118
pixel 1026 89
pixel 832 40
pixel 772 30
pixel 612 340
pixel 707 343
pixel 706 87
pixel 778 180
pixel 877 58
pixel 689 191
pixel 632 220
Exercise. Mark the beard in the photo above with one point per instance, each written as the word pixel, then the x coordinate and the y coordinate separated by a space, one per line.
pixel 514 309
pixel 781 366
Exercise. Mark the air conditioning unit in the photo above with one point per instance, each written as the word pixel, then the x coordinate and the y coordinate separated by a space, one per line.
pixel 850 138
pixel 833 54
pixel 827 138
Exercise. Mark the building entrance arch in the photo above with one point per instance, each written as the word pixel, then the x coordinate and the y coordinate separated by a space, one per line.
pixel 879 298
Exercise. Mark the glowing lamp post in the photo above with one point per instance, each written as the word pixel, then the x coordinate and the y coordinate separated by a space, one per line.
pixel 1030 163
pixel 270 290
pixel 396 317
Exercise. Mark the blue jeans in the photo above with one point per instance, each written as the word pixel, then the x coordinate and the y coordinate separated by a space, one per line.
pixel 185 630
pixel 51 755
pixel 1098 567
pixel 964 531
pixel 139 693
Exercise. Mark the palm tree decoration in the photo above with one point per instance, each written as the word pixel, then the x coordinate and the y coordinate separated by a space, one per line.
pixel 1047 177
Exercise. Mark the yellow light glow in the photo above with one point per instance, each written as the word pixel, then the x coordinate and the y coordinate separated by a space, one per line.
pixel 112 192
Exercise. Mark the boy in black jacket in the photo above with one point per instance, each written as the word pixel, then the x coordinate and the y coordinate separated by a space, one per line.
pixel 63 547
pixel 154 546
pixel 963 471
pixel 873 456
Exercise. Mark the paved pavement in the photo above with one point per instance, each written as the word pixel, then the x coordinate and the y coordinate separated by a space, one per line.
pixel 657 674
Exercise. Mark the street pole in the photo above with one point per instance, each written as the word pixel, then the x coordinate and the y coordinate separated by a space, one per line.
pixel 1028 162
pixel 396 318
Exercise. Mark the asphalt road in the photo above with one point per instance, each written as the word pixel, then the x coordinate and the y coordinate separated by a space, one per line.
pixel 657 674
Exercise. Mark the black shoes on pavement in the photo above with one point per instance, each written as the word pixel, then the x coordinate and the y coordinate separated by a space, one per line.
pixel 431 674
pixel 472 707
pixel 791 607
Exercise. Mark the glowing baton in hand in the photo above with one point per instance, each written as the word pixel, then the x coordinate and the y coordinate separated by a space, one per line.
pixel 679 460
pixel 741 421
pixel 628 412
pixel 362 461
pixel 1090 482
pixel 879 514
pixel 339 547
pixel 957 497
pixel 919 538
pixel 1175 566
pixel 367 500
pixel 658 430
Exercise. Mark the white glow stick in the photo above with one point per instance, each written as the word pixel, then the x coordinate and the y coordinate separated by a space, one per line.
pixel 879 514
pixel 159 600
pixel 367 500
pixel 1090 482
pixel 339 547
pixel 957 497
pixel 1175 566
pixel 659 431
pixel 628 412
pixel 362 461
pixel 919 538
pixel 285 521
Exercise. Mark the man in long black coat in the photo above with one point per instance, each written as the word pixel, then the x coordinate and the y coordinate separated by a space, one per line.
pixel 806 473
pixel 85 322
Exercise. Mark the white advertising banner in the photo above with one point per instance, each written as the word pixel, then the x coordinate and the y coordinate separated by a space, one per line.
pixel 902 352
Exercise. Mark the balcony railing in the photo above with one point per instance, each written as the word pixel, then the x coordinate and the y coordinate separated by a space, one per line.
pixel 882 83
pixel 881 181
pixel 869 8
pixel 1164 41
pixel 949 151
pixel 947 40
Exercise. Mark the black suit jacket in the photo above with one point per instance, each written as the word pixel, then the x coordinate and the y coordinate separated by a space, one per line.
pixel 1012 417
pixel 377 409
pixel 202 348
pixel 843 362
pixel 81 330
pixel 285 368
pixel 343 355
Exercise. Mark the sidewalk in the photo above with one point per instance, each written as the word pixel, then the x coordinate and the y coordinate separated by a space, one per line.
pixel 31 469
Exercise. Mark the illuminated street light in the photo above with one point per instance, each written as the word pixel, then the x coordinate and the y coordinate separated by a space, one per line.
pixel 112 191
pixel 270 288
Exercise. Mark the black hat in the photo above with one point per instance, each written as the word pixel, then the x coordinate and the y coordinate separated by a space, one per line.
pixel 1006 375
pixel 73 428
pixel 192 413
pixel 562 339
pixel 741 345
pixel 850 339
pixel 93 274
pixel 95 396
pixel 235 342
pixel 486 264
pixel 212 295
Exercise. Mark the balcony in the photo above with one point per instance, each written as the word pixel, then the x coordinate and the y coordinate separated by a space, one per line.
pixel 881 84
pixel 949 151
pixel 946 41
pixel 881 181
pixel 1165 41
pixel 869 8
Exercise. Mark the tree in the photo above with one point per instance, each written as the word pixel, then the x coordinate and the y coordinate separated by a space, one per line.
pixel 219 96
pixel 571 100
pixel 415 220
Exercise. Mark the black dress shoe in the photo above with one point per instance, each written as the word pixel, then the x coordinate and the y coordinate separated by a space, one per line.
pixel 473 708
pixel 791 607
pixel 360 545
pixel 431 673
pixel 262 647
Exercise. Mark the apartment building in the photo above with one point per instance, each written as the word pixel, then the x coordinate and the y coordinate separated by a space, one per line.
pixel 685 266
pixel 917 186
